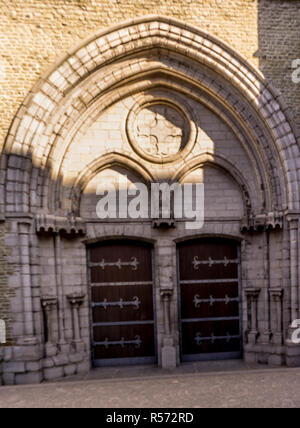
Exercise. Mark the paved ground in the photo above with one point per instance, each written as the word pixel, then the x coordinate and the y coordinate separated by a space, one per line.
pixel 229 384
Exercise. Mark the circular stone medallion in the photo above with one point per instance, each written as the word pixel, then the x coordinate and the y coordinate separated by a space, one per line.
pixel 158 130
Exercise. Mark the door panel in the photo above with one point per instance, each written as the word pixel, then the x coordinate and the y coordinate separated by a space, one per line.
pixel 210 299
pixel 122 304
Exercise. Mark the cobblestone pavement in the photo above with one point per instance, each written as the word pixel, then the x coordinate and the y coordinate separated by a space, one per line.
pixel 184 388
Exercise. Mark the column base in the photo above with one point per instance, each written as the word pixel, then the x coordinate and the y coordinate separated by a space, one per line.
pixel 252 337
pixel 292 348
pixel 168 357
pixel 51 350
pixel 63 348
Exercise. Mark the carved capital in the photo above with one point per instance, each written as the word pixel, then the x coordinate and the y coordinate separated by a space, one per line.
pixel 252 293
pixel 276 294
pixel 261 222
pixel 48 302
pixel 164 223
pixel 76 299
pixel 55 224
pixel 166 294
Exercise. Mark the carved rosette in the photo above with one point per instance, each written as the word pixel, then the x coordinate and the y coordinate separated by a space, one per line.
pixel 159 129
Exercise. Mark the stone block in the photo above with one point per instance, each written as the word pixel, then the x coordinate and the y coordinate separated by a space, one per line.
pixel 61 360
pixel 51 350
pixel 48 363
pixel 53 373
pixel 34 366
pixel 27 353
pixel 8 378
pixel 83 367
pixel 292 352
pixel 14 367
pixel 262 358
pixel 76 358
pixel 250 357
pixel 168 354
pixel 276 360
pixel 70 370
pixel 29 378
pixel 8 353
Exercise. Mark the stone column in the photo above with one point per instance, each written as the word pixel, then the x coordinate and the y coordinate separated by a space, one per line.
pixel 166 299
pixel 252 297
pixel 265 335
pixel 276 296
pixel 76 300
pixel 49 304
pixel 23 231
pixel 64 348
pixel 168 348
pixel 166 252
pixel 293 228
pixel 292 348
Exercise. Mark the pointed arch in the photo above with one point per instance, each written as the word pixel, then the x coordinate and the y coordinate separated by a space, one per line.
pixel 97 70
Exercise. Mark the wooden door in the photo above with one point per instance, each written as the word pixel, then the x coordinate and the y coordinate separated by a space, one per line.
pixel 210 299
pixel 122 304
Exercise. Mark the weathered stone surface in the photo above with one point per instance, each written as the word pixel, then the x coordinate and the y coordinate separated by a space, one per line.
pixel 169 358
pixel 83 367
pixel 70 370
pixel 76 358
pixel 34 366
pixel 48 363
pixel 61 360
pixel 28 378
pixel 59 148
pixel 14 367
pixel 8 378
pixel 53 373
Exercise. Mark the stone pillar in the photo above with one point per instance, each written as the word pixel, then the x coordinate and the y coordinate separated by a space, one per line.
pixel 276 297
pixel 23 231
pixel 252 297
pixel 168 348
pixel 63 346
pixel 76 300
pixel 292 348
pixel 293 228
pixel 49 304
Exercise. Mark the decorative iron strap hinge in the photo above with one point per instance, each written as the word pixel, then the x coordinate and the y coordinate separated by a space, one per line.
pixel 137 342
pixel 210 262
pixel 119 264
pixel 212 300
pixel 212 338
pixel 105 304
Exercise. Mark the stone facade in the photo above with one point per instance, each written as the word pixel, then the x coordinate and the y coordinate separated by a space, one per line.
pixel 156 99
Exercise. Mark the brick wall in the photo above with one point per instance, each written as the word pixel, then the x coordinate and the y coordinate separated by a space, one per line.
pixel 279 45
pixel 34 33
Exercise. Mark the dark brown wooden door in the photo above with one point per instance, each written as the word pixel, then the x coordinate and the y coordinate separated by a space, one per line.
pixel 122 305
pixel 210 300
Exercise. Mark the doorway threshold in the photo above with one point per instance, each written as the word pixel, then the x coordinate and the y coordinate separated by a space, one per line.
pixel 152 371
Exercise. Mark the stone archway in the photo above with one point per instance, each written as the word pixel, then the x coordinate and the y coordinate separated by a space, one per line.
pixel 225 123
